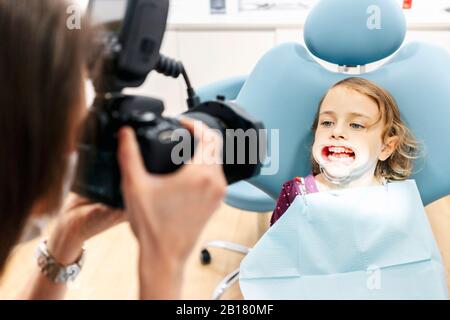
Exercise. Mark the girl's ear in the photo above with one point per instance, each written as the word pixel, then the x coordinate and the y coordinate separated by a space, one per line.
pixel 389 147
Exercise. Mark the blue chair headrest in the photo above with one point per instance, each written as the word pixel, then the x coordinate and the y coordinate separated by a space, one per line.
pixel 352 33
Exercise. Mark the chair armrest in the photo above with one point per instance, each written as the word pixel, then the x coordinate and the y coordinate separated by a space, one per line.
pixel 229 88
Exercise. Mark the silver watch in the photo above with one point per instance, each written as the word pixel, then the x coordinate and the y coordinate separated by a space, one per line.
pixel 54 270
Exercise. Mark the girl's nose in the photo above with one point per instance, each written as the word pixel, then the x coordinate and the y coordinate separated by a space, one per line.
pixel 338 132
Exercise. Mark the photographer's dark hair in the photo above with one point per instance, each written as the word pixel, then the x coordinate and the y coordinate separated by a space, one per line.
pixel 41 95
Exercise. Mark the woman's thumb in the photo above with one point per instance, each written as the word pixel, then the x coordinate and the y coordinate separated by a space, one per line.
pixel 130 159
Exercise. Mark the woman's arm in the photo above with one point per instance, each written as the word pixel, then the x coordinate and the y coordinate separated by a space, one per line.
pixel 40 287
pixel 79 221
pixel 168 213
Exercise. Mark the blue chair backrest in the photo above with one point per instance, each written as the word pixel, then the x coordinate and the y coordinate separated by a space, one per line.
pixel 286 86
pixel 352 33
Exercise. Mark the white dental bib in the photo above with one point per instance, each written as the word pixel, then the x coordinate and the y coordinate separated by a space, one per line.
pixel 357 243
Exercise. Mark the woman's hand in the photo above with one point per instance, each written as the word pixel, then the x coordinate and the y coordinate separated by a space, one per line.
pixel 79 220
pixel 168 213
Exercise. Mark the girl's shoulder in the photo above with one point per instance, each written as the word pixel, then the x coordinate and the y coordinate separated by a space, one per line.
pixel 290 190
pixel 301 185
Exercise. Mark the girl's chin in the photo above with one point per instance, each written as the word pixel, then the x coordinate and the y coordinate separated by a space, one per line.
pixel 338 172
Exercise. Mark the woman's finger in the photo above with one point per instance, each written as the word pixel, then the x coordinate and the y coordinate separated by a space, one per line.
pixel 130 158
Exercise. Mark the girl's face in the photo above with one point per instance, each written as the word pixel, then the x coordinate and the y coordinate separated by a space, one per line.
pixel 348 139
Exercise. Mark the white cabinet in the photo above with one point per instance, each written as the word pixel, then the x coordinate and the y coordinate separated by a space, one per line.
pixel 289 35
pixel 158 86
pixel 213 55
pixel 208 56
pixel 440 38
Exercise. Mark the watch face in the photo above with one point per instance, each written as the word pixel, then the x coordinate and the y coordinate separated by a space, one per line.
pixel 53 270
pixel 72 272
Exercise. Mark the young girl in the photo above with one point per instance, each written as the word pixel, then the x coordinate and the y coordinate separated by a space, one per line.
pixel 360 140
pixel 344 232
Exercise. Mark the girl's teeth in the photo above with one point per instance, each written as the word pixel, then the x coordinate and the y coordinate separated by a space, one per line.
pixel 340 150
pixel 341 154
pixel 340 158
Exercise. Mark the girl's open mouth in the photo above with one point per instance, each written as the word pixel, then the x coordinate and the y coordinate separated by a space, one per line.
pixel 338 154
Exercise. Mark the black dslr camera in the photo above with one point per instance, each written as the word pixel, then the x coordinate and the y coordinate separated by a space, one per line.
pixel 127 43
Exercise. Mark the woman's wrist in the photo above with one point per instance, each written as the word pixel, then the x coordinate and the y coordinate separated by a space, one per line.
pixel 64 244
pixel 160 276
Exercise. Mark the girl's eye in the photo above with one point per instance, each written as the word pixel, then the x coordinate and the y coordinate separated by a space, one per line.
pixel 356 126
pixel 326 124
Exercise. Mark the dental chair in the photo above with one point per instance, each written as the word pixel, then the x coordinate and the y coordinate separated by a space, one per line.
pixel 286 86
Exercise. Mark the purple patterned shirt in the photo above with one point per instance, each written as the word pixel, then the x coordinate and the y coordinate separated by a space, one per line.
pixel 289 192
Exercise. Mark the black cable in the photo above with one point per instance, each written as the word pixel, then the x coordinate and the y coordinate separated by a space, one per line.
pixel 172 68
pixel 186 78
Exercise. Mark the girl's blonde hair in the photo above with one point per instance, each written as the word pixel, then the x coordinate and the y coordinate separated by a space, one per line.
pixel 399 166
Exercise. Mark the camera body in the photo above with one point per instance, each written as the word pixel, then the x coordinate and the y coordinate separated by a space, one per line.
pixel 98 174
pixel 127 51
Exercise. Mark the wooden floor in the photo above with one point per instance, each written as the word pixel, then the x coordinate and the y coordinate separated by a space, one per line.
pixel 110 269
